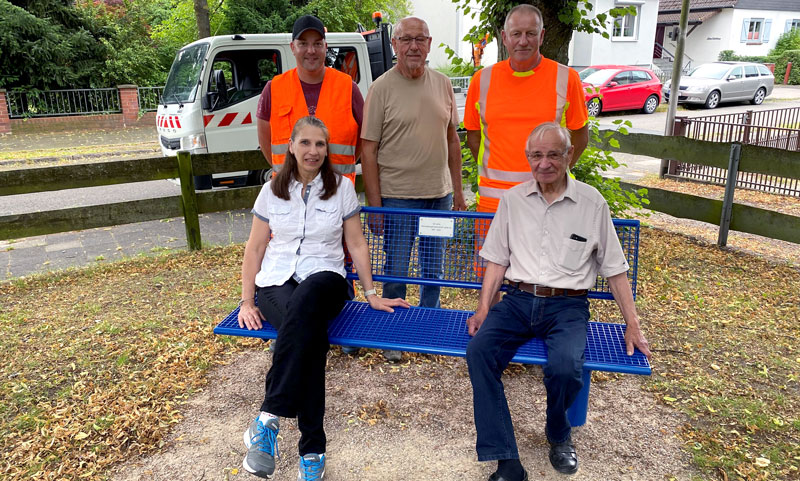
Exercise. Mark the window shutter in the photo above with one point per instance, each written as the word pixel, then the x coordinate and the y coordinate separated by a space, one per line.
pixel 767 25
pixel 788 26
pixel 745 25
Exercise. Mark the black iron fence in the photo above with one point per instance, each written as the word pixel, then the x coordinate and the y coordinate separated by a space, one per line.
pixel 52 103
pixel 149 98
pixel 777 128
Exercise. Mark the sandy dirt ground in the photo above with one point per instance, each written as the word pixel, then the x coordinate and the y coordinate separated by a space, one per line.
pixel 414 421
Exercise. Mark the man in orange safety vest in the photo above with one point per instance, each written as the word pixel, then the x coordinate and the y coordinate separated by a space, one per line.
pixel 311 89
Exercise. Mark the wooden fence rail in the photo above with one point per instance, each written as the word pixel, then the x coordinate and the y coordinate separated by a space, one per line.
pixel 190 204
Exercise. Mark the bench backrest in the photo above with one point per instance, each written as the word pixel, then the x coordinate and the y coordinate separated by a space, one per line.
pixel 462 233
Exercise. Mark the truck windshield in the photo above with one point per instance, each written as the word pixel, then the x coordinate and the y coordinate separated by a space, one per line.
pixel 184 76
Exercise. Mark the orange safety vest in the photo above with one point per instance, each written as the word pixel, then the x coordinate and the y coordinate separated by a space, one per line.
pixel 334 108
pixel 508 115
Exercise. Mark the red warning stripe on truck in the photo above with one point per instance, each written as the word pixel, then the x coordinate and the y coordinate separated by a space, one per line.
pixel 226 120
pixel 171 121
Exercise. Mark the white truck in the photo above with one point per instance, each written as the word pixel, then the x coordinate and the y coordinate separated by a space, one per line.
pixel 212 91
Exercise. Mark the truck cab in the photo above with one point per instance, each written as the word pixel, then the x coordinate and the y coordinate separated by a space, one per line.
pixel 211 96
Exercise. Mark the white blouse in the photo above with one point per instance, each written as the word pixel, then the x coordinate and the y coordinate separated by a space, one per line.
pixel 306 231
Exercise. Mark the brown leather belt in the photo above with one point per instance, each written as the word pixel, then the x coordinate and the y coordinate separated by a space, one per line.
pixel 544 291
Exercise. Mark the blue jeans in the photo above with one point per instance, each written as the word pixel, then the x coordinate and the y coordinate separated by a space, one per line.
pixel 398 240
pixel 562 322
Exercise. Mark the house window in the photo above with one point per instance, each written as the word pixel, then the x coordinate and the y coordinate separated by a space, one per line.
pixel 755 30
pixel 625 27
pixel 795 24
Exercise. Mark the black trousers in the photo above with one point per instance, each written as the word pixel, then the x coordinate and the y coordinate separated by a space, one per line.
pixel 295 385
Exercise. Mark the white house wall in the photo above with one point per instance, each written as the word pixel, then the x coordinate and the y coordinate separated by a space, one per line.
pixel 593 49
pixel 448 26
pixel 777 27
pixel 707 40
pixel 723 32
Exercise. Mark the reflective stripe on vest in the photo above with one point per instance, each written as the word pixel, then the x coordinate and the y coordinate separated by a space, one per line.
pixel 344 169
pixel 484 153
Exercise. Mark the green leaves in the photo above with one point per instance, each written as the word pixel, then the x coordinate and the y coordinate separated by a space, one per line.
pixel 594 161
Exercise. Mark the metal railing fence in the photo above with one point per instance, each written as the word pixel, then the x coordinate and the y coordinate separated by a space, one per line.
pixel 149 98
pixel 52 103
pixel 776 128
pixel 462 82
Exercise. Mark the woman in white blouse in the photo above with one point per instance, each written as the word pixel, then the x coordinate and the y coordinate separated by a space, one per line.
pixel 295 258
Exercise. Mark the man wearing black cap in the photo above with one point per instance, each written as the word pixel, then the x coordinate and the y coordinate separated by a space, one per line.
pixel 311 89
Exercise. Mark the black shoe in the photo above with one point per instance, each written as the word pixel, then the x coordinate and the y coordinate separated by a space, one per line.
pixel 563 457
pixel 497 477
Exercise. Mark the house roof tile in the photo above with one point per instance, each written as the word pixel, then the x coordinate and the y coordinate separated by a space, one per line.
pixel 694 17
pixel 675 5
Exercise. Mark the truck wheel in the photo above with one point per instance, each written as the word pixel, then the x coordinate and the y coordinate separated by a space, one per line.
pixel 259 177
pixel 202 182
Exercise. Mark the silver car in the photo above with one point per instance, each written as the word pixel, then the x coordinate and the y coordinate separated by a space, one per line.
pixel 712 83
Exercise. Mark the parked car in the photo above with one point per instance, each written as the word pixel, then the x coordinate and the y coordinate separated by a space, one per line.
pixel 715 82
pixel 620 87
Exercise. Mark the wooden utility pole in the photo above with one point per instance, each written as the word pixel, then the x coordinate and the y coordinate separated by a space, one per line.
pixel 675 82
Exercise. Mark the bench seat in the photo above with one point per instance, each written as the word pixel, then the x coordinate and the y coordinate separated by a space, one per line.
pixel 444 332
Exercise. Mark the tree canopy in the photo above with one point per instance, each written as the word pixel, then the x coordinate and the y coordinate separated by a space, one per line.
pixel 60 44
pixel 50 43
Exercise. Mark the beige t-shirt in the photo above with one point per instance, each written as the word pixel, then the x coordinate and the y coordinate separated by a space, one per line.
pixel 562 245
pixel 409 120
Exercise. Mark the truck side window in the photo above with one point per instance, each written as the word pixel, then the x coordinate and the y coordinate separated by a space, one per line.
pixel 344 59
pixel 245 72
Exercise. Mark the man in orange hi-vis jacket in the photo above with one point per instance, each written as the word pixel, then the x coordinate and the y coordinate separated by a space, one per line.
pixel 316 90
pixel 510 98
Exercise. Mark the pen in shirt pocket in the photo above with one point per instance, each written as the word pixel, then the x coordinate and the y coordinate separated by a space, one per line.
pixel 577 238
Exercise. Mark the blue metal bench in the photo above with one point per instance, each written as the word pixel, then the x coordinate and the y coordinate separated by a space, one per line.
pixel 444 331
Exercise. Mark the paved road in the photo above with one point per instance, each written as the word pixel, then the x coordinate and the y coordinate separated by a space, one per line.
pixel 43 253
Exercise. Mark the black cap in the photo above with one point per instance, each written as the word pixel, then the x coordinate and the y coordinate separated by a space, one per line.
pixel 307 22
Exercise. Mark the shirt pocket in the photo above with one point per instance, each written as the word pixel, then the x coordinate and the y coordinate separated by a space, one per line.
pixel 281 219
pixel 327 215
pixel 572 256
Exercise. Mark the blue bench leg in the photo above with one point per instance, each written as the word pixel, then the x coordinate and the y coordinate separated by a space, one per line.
pixel 577 412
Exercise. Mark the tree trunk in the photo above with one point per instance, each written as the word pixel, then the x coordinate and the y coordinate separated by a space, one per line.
pixel 203 22
pixel 557 34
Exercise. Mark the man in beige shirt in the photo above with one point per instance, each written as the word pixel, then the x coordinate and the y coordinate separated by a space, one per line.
pixel 411 156
pixel 550 238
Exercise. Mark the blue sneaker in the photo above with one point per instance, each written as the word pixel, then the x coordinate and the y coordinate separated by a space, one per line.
pixel 312 467
pixel 261 440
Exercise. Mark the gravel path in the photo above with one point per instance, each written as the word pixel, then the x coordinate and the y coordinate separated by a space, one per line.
pixel 413 421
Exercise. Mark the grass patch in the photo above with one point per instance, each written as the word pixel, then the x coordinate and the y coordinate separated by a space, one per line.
pixel 725 327
pixel 95 363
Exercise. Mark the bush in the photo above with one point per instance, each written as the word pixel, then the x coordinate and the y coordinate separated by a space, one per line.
pixel 781 63
pixel 595 160
pixel 787 41
pixel 730 56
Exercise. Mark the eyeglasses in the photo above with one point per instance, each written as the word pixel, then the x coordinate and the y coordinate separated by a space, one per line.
pixel 552 156
pixel 409 40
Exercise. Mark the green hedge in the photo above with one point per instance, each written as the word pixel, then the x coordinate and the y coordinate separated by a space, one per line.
pixel 730 56
pixel 780 67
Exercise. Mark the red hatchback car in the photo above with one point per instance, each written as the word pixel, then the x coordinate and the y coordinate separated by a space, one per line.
pixel 620 87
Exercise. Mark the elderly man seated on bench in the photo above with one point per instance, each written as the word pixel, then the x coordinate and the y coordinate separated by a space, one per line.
pixel 549 239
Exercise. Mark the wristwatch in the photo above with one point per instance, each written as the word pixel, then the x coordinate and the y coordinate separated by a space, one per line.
pixel 371 292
